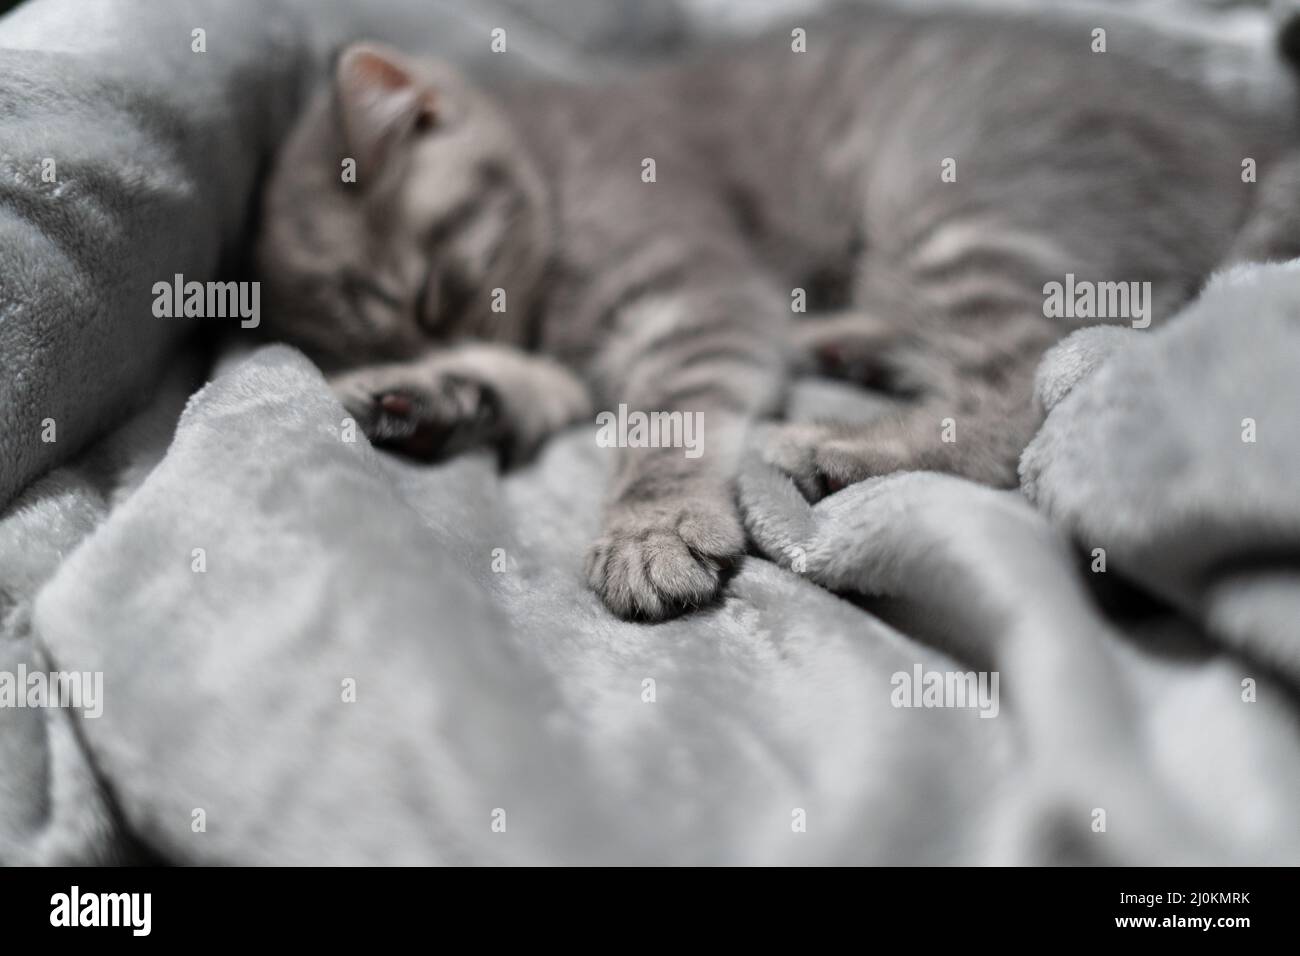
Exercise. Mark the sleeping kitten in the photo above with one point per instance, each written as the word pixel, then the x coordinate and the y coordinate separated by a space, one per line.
pixel 773 170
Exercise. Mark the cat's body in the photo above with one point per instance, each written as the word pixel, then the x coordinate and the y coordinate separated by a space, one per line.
pixel 772 170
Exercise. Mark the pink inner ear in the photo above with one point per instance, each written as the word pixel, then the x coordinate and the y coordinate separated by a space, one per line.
pixel 366 70
pixel 379 100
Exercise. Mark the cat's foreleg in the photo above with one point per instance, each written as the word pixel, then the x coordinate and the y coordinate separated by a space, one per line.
pixel 476 394
pixel 685 374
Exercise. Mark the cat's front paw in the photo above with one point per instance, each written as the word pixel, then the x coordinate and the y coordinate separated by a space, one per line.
pixel 658 559
pixel 423 417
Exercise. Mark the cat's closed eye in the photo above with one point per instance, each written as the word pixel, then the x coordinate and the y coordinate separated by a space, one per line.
pixel 426 301
pixel 358 288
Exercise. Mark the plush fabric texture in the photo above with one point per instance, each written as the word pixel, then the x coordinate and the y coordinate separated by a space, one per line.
pixel 313 652
pixel 1196 493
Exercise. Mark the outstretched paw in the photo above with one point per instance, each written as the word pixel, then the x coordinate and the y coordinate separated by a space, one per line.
pixel 657 559
pixel 426 419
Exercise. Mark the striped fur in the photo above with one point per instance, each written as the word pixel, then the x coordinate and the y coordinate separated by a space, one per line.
pixel 775 170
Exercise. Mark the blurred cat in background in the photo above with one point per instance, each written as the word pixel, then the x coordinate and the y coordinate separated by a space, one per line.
pixel 508 262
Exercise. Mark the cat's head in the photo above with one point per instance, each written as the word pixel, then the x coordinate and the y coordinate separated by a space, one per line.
pixel 399 203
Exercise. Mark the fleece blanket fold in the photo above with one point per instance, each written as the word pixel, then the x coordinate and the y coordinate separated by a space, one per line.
pixel 310 651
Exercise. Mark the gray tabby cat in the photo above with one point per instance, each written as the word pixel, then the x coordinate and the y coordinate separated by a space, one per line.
pixel 774 170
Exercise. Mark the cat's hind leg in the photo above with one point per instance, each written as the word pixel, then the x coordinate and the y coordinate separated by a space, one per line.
pixel 971 407
pixel 977 436
pixel 862 348
pixel 1272 231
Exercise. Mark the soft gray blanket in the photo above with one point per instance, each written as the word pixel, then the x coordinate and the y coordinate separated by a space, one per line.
pixel 316 653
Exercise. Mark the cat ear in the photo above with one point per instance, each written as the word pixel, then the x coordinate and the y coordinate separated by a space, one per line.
pixel 381 103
